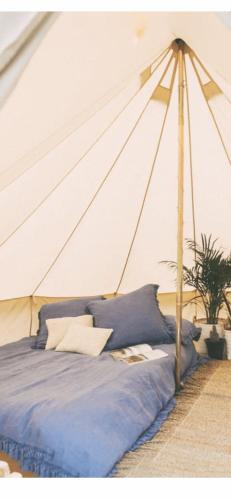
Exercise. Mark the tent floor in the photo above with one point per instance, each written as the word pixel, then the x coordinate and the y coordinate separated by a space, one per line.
pixel 195 439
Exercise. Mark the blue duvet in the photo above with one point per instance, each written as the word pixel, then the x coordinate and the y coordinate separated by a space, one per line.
pixel 69 415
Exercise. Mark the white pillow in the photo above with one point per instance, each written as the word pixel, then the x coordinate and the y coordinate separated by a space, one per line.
pixel 84 339
pixel 58 327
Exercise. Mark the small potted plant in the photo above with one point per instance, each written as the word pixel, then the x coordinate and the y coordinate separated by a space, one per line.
pixel 210 276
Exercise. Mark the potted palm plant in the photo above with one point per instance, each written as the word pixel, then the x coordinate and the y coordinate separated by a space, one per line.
pixel 210 276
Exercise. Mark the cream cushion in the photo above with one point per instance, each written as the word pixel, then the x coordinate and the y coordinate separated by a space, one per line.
pixel 84 339
pixel 58 327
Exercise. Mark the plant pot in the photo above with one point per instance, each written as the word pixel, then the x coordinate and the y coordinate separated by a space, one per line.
pixel 206 328
pixel 227 334
pixel 216 348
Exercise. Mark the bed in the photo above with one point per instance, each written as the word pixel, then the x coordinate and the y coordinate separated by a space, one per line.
pixel 71 415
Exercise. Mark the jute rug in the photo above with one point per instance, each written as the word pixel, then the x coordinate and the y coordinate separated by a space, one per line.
pixel 195 441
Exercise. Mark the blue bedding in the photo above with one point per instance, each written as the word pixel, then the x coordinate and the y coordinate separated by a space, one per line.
pixel 69 415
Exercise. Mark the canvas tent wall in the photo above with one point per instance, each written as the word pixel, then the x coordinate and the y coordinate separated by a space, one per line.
pixel 79 134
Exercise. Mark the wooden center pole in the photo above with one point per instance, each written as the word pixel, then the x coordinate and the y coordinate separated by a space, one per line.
pixel 180 210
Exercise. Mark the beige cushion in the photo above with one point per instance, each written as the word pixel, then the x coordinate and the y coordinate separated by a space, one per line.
pixel 58 327
pixel 84 339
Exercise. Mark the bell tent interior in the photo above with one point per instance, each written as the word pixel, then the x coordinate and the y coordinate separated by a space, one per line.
pixel 115 148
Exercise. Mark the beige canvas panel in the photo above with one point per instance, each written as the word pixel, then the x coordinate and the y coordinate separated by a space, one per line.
pixel 15 316
pixel 21 34
pixel 48 173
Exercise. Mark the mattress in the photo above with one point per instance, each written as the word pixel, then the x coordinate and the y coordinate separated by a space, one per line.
pixel 71 415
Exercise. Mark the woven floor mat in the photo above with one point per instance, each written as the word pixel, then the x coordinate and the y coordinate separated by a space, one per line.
pixel 195 440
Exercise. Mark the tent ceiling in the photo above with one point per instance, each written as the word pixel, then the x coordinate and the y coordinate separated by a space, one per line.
pixel 21 33
pixel 87 180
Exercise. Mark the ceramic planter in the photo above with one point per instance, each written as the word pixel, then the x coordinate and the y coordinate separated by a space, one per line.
pixel 201 346
pixel 227 334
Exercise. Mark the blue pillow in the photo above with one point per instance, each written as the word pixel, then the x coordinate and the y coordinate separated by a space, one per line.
pixel 68 308
pixel 135 319
pixel 189 330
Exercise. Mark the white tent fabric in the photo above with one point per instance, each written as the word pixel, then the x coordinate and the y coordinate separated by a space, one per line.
pixel 21 33
pixel 88 177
